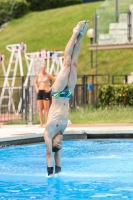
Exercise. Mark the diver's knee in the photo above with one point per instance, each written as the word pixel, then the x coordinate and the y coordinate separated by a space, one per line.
pixel 49 155
pixel 67 61
pixel 74 64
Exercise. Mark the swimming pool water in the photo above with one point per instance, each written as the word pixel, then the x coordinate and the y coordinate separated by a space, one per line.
pixel 91 169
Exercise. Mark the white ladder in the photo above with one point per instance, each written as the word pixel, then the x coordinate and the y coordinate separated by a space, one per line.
pixel 34 60
pixel 2 58
pixel 56 62
pixel 10 76
pixel 52 59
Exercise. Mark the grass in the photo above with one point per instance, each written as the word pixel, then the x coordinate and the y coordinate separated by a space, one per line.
pixel 51 30
pixel 101 116
pixel 86 115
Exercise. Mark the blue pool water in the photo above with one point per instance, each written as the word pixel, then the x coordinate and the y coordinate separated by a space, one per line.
pixel 91 169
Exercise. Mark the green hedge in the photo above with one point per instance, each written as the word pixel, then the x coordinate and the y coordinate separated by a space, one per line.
pixel 39 5
pixel 3 16
pixel 11 9
pixel 111 95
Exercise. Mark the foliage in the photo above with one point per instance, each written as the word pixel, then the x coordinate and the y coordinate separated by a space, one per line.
pixel 3 15
pixel 38 30
pixel 12 9
pixel 37 5
pixel 112 95
pixel 111 114
pixel 87 115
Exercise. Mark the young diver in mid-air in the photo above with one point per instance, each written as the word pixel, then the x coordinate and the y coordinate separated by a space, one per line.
pixel 62 90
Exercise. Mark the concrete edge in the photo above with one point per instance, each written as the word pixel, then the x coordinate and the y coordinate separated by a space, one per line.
pixel 110 136
pixel 37 138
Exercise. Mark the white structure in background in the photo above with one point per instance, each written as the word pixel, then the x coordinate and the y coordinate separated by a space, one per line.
pixel 8 88
pixel 56 58
pixel 129 78
pixel 34 61
pixel 2 58
pixel 52 59
pixel 118 31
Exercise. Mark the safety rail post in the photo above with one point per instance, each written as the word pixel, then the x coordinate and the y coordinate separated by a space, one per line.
pixel 26 110
pixel 22 94
pixel 92 97
pixel 83 89
pixel 129 25
pixel 95 28
pixel 126 78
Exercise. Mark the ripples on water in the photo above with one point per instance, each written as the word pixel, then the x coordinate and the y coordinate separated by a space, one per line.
pixel 91 169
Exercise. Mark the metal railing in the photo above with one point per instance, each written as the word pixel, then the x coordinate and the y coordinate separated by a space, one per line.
pixel 85 93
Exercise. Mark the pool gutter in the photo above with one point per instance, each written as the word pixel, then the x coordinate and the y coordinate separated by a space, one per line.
pixel 28 135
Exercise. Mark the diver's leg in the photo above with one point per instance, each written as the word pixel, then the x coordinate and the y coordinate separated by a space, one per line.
pixel 73 74
pixel 57 162
pixel 48 143
pixel 62 78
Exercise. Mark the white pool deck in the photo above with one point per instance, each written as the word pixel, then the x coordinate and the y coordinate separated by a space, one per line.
pixel 23 134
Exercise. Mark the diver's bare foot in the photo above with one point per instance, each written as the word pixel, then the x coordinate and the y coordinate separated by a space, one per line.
pixel 79 27
pixel 83 30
